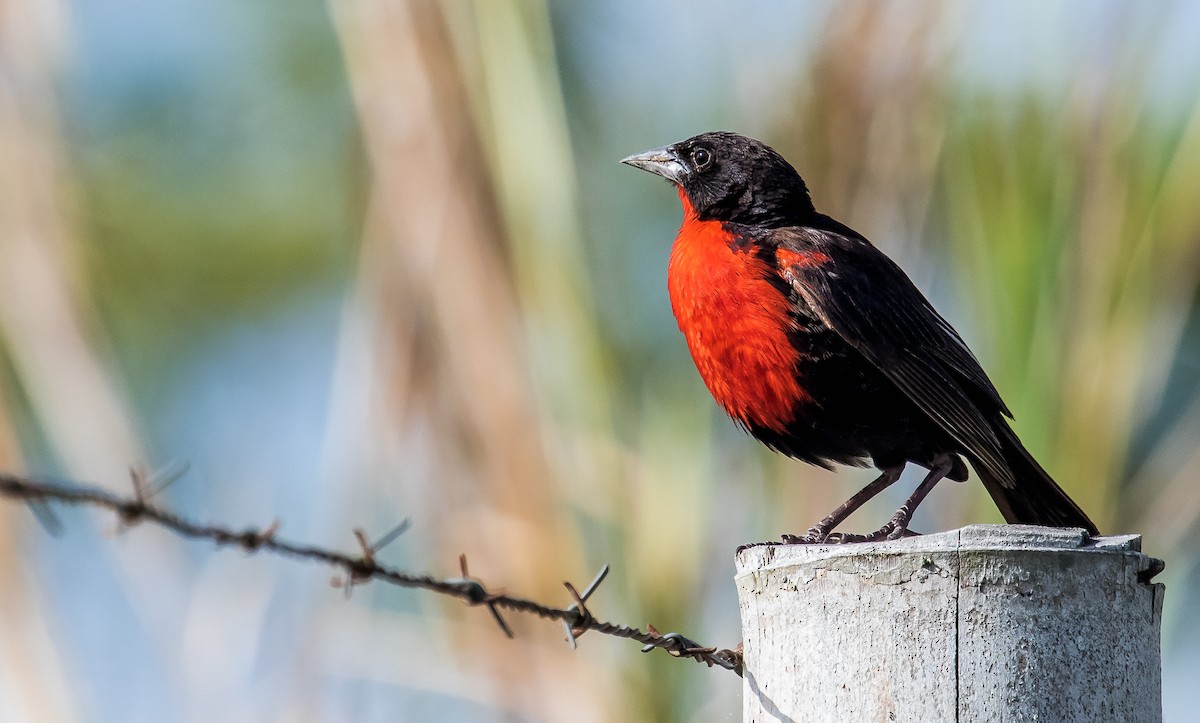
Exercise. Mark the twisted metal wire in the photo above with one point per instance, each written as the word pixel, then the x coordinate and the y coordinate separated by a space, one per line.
pixel 363 567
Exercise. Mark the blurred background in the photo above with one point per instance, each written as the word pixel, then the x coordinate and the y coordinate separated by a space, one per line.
pixel 357 260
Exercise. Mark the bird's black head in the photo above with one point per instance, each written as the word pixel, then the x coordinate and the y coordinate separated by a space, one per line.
pixel 729 177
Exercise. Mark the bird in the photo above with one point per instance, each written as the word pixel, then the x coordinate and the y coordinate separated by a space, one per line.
pixel 821 347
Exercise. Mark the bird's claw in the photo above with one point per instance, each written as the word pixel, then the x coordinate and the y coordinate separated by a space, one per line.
pixel 814 536
pixel 896 528
pixel 819 536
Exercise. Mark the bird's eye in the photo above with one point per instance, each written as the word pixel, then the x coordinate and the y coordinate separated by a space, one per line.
pixel 701 157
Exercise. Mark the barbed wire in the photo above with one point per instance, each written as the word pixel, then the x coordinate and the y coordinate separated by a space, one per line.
pixel 358 569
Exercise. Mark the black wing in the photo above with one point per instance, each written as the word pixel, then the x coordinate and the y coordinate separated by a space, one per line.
pixel 864 297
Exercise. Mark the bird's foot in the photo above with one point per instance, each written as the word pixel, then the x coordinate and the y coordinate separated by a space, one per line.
pixel 815 536
pixel 887 532
pixel 843 538
pixel 896 528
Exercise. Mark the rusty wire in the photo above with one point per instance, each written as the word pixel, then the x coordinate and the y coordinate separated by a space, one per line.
pixel 577 619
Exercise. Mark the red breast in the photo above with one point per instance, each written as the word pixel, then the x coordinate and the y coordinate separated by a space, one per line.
pixel 736 323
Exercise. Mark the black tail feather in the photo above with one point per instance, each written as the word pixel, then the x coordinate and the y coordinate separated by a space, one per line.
pixel 1035 498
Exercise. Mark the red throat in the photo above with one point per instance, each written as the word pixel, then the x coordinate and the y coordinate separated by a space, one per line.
pixel 735 323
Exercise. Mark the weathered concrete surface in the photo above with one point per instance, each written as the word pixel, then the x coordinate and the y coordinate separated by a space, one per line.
pixel 987 623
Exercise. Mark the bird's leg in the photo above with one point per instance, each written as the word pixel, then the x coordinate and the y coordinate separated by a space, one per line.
pixel 818 532
pixel 897 527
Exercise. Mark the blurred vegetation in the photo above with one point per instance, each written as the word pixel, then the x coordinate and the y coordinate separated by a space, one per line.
pixel 418 203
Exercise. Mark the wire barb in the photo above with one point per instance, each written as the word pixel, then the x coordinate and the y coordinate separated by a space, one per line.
pixel 583 617
pixel 363 567
pixel 137 475
pixel 131 513
pixel 391 536
pixel 167 476
pixel 254 539
pixel 478 594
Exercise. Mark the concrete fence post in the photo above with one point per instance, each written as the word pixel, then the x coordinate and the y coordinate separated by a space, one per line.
pixel 986 623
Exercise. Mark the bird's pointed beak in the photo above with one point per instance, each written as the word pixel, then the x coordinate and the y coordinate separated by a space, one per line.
pixel 662 161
